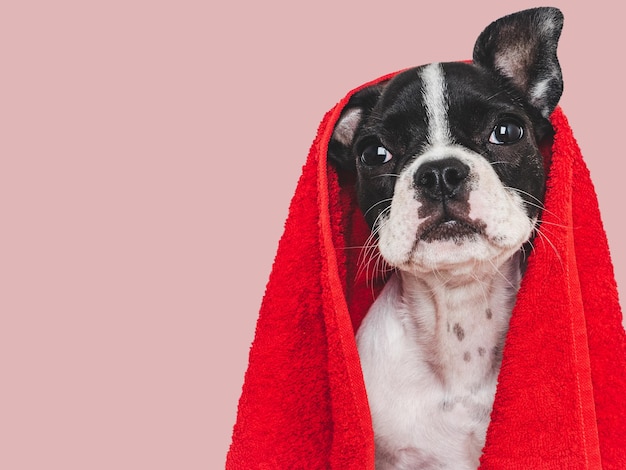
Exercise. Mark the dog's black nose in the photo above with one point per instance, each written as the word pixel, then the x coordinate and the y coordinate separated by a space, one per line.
pixel 441 179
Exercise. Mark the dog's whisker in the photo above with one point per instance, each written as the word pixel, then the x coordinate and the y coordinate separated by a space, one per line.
pixel 384 201
pixel 532 246
pixel 532 204
pixel 539 203
pixel 483 288
pixel 366 258
pixel 545 239
pixel 521 191
pixel 370 260
pixel 355 247
pixel 554 224
pixel 495 95
pixel 442 279
pixel 392 175
pixel 499 273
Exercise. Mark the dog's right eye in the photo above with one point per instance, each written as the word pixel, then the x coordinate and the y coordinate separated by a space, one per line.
pixel 506 132
pixel 374 155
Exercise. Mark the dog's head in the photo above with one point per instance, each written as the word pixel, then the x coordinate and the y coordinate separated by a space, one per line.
pixel 450 174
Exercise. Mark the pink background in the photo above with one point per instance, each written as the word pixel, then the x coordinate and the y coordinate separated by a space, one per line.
pixel 149 151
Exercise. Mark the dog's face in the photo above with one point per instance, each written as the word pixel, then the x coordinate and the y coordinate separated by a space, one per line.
pixel 450 175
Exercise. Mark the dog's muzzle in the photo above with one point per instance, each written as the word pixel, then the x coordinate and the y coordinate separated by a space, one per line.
pixel 442 188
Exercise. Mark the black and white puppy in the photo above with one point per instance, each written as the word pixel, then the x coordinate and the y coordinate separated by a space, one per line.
pixel 451 181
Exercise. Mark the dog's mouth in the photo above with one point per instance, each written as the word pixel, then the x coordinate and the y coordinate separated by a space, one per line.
pixel 454 229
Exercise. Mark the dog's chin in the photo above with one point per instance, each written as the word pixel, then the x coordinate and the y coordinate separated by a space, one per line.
pixel 452 249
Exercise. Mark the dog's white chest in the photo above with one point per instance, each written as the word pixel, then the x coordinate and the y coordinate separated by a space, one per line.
pixel 430 378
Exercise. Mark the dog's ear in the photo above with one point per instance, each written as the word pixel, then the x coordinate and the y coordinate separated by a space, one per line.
pixel 340 147
pixel 522 48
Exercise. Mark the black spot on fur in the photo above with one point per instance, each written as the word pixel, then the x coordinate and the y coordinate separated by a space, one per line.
pixel 459 332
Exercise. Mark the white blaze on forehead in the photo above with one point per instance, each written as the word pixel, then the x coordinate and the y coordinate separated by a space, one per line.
pixel 434 93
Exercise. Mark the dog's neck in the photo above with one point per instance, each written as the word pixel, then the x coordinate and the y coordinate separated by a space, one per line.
pixel 461 324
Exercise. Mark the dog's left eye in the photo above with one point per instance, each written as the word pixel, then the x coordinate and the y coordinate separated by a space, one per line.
pixel 374 155
pixel 506 132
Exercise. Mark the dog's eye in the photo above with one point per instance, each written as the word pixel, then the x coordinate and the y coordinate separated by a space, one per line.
pixel 374 155
pixel 506 132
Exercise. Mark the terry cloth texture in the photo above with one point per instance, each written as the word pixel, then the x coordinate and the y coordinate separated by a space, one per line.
pixel 561 396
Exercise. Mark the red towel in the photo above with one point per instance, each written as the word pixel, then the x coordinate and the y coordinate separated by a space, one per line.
pixel 561 397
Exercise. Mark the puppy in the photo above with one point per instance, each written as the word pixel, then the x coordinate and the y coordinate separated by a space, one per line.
pixel 451 180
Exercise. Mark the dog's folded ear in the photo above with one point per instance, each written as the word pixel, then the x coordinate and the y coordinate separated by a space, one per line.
pixel 522 48
pixel 340 147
